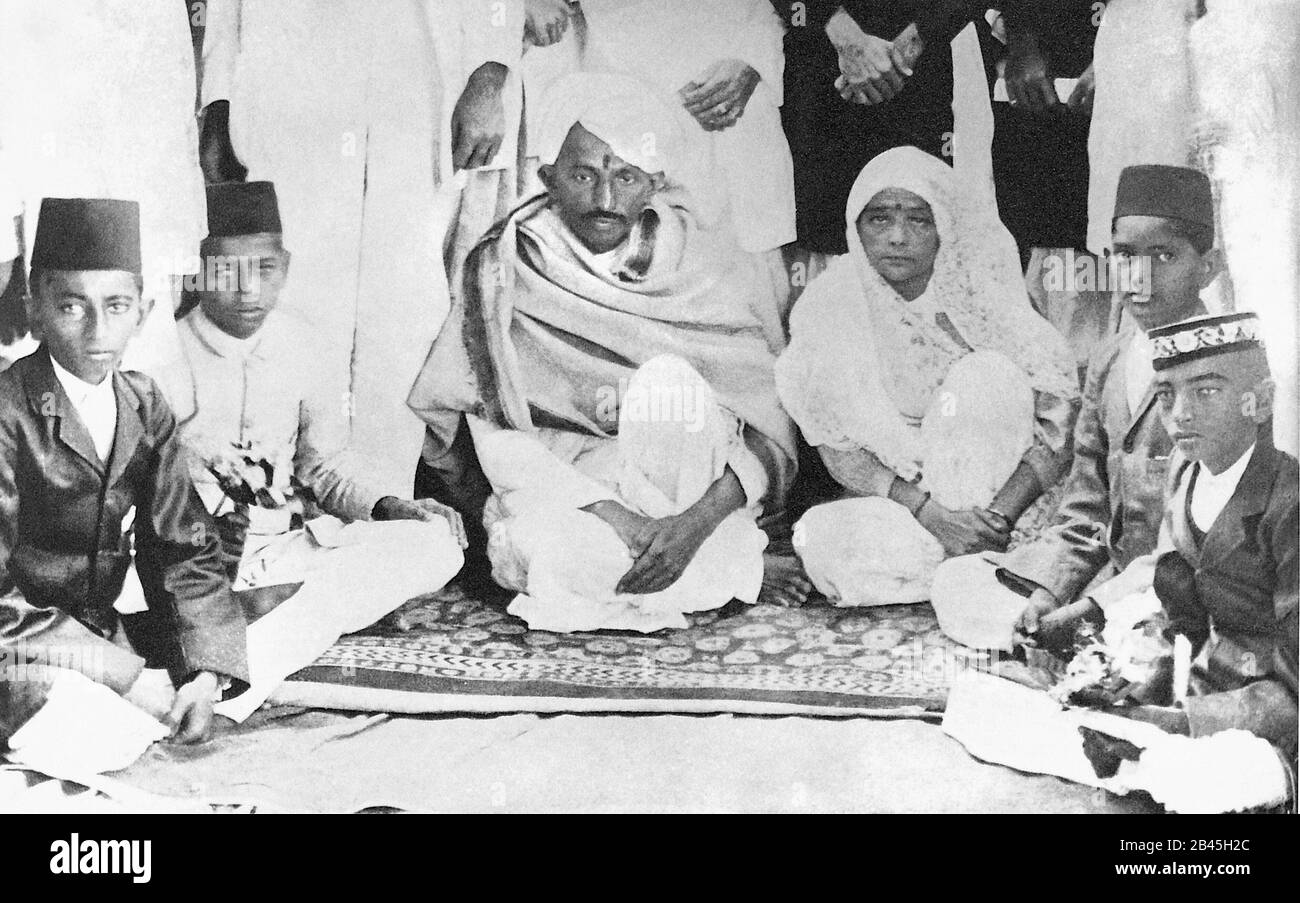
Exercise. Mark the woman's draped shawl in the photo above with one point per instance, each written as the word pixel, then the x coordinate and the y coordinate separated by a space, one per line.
pixel 545 336
pixel 862 362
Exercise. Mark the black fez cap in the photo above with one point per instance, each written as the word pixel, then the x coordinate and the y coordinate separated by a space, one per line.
pixel 87 234
pixel 242 208
pixel 1204 336
pixel 1172 192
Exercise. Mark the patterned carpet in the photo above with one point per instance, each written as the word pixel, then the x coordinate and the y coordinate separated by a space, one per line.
pixel 452 653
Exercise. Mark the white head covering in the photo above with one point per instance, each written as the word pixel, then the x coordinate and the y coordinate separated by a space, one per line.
pixel 620 110
pixel 834 378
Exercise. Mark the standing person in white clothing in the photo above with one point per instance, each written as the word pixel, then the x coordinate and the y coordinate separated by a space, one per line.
pixel 98 101
pixel 361 113
pixel 249 377
pixel 1246 68
pixel 1141 53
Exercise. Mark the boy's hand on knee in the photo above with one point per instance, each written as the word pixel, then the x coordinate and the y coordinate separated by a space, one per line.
pixel 1056 630
pixel 392 508
pixel 191 716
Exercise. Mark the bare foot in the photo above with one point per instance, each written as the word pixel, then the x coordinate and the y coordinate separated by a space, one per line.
pixel 784 581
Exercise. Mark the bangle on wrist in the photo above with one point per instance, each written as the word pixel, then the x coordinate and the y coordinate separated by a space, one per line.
pixel 1000 516
pixel 920 505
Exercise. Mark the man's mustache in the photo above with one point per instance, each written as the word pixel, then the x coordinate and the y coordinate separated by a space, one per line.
pixel 599 215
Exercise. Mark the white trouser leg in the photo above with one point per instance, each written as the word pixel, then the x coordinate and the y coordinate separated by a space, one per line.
pixel 346 588
pixel 867 551
pixel 673 438
pixel 979 425
pixel 674 442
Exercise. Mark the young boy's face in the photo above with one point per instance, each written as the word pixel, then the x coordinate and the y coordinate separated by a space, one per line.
pixel 1213 407
pixel 1166 274
pixel 251 271
pixel 86 317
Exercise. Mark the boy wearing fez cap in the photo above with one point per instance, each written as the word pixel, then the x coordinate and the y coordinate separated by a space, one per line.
pixel 1164 255
pixel 250 375
pixel 1225 570
pixel 84 449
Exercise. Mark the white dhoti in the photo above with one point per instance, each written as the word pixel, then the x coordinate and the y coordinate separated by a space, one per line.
pixel 352 575
pixel 674 442
pixel 872 551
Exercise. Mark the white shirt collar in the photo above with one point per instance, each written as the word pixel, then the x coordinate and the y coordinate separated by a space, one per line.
pixel 81 392
pixel 222 342
pixel 1212 493
pixel 1231 476
pixel 96 405
pixel 1138 370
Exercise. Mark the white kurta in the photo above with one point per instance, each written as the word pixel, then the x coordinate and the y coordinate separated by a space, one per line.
pixel 565 562
pixel 261 390
pixel 98 101
pixel 346 106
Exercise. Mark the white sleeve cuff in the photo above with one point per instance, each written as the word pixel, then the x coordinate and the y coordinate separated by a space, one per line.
pixel 750 472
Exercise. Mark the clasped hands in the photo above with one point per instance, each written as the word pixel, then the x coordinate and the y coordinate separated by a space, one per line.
pixel 965 532
pixel 1030 85
pixel 717 99
pixel 873 70
pixel 662 547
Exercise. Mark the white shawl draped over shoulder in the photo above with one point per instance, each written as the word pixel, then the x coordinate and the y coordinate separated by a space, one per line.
pixel 861 357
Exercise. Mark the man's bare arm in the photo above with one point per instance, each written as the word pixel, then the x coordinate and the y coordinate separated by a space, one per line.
pixel 665 547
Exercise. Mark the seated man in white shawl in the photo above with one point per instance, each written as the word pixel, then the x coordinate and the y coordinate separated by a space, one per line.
pixel 617 387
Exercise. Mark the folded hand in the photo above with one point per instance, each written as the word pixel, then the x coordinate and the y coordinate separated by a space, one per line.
pixel 964 532
pixel 717 99
pixel 545 21
pixel 478 123
pixel 663 549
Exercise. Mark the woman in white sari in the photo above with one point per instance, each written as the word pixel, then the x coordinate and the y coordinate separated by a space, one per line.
pixel 936 396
